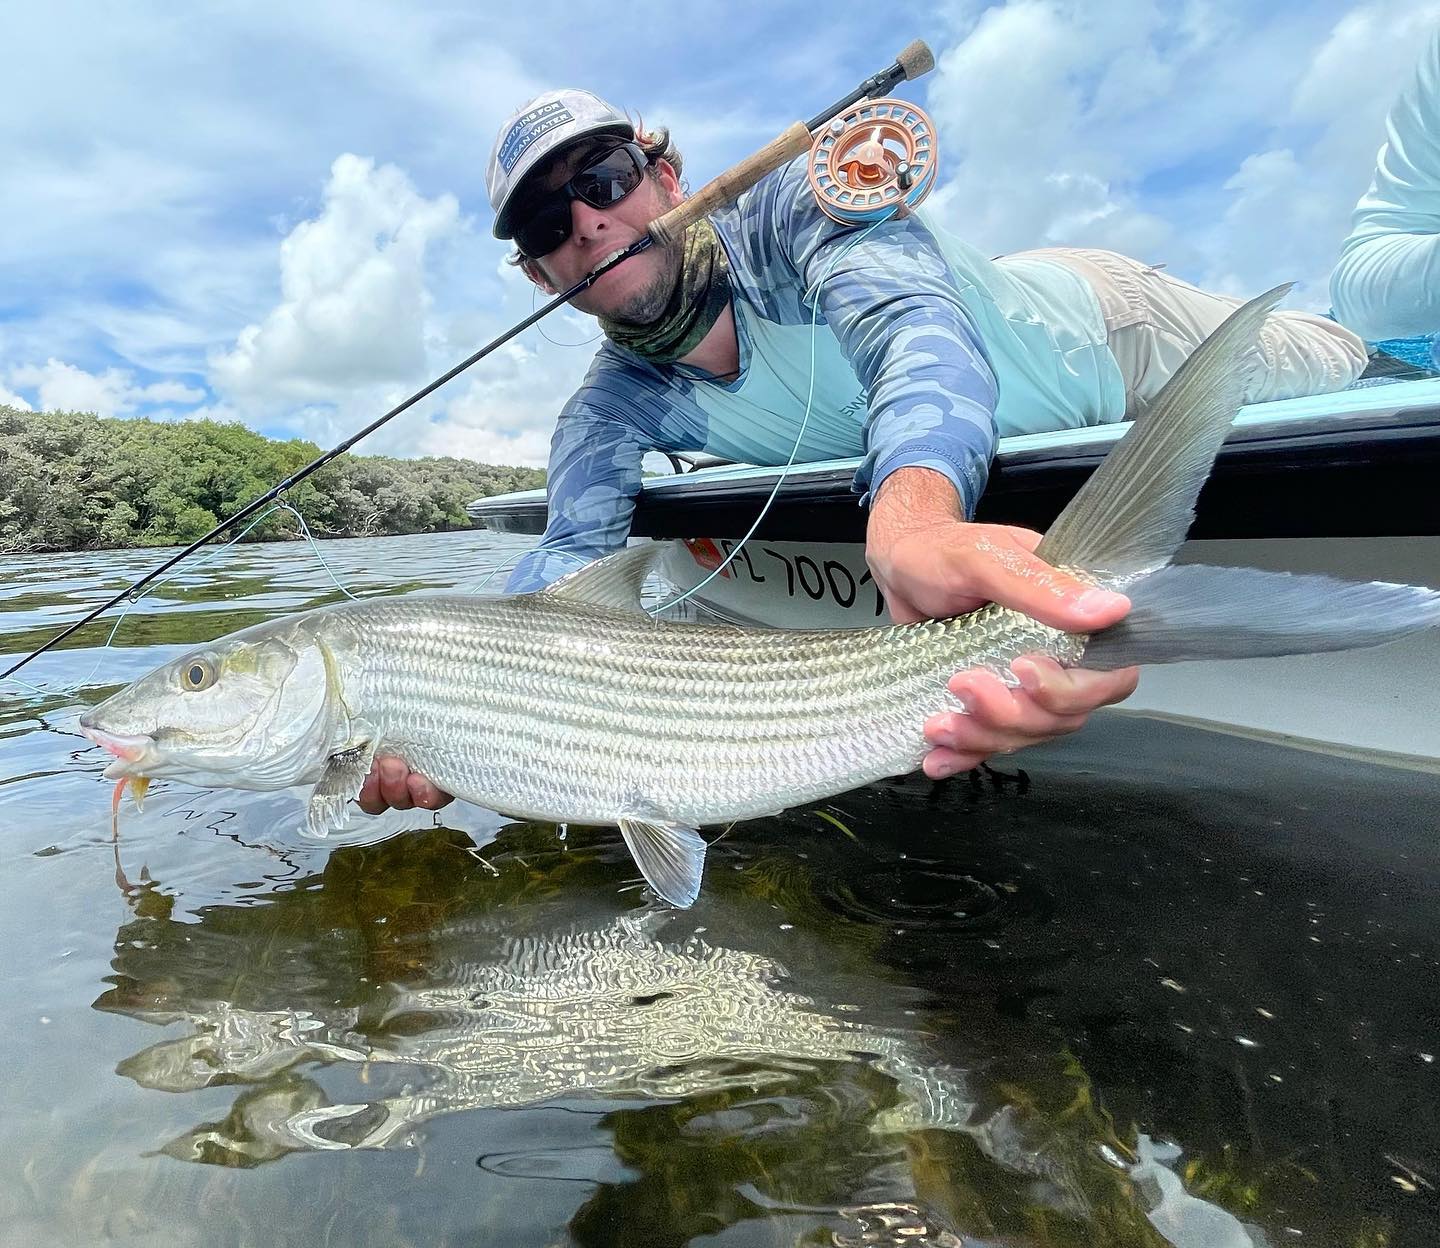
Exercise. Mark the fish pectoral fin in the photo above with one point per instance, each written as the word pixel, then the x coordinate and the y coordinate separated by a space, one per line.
pixel 670 856
pixel 340 784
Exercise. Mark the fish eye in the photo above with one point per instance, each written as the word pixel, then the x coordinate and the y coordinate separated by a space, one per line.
pixel 198 674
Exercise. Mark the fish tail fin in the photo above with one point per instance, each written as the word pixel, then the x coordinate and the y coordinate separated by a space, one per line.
pixel 1126 522
pixel 1199 612
pixel 1131 515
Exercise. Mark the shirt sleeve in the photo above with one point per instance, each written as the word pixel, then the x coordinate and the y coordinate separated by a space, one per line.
pixel 624 409
pixel 893 304
pixel 594 475
pixel 1387 282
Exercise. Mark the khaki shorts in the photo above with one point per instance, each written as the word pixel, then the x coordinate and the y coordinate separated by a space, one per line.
pixel 1154 321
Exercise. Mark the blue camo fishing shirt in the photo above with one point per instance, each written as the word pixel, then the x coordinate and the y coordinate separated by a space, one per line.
pixel 922 352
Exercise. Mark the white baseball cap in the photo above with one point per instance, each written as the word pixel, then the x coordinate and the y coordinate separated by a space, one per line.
pixel 537 128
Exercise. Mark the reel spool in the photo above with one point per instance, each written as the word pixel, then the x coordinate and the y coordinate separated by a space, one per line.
pixel 871 158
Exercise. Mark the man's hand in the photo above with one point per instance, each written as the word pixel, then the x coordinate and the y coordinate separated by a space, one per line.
pixel 392 783
pixel 931 563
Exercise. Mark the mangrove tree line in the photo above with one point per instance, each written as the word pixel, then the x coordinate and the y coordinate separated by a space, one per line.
pixel 74 481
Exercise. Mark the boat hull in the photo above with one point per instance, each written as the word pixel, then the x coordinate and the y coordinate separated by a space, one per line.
pixel 1340 484
pixel 1379 701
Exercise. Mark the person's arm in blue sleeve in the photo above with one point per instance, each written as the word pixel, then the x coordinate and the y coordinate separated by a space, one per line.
pixel 893 305
pixel 891 302
pixel 1387 281
pixel 593 478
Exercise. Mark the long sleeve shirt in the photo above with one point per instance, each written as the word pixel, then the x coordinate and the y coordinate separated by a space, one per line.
pixel 1387 282
pixel 905 346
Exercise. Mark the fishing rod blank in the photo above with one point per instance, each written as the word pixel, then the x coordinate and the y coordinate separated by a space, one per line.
pixel 916 59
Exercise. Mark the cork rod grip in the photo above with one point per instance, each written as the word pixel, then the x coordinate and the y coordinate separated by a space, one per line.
pixel 795 140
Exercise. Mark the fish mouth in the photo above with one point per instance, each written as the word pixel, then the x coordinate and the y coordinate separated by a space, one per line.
pixel 126 747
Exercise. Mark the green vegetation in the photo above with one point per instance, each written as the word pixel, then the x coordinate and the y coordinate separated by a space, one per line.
pixel 72 481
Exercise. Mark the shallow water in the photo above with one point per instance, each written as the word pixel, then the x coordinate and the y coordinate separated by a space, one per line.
pixel 1161 981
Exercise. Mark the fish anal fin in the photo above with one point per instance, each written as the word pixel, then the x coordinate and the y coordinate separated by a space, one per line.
pixel 670 856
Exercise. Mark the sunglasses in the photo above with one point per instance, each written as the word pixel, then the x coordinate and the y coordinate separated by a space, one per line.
pixel 541 224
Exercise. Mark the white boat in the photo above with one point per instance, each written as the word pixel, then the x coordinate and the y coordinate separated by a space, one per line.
pixel 1343 484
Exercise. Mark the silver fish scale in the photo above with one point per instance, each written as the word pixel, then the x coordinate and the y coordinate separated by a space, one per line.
pixel 544 707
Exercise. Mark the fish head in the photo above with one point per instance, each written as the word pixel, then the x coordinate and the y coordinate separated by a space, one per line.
pixel 255 710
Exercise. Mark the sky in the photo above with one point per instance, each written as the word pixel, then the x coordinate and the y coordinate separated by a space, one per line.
pixel 276 213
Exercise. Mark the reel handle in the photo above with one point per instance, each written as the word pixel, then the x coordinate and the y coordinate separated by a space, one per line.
pixel 793 142
pixel 916 59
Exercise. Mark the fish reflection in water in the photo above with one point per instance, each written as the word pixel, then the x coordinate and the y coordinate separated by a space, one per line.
pixel 618 1010
pixel 420 990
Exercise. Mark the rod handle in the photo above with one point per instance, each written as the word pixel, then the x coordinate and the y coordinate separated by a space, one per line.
pixel 720 191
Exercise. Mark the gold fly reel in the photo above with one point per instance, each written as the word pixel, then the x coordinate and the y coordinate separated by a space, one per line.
pixel 872 158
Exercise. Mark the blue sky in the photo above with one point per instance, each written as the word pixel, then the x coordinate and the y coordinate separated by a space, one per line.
pixel 275 213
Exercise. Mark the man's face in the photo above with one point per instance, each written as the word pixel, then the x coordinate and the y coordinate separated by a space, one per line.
pixel 635 292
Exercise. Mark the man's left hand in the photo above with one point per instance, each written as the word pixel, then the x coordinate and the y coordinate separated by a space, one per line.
pixel 1050 701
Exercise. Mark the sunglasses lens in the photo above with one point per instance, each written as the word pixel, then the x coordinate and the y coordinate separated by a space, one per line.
pixel 608 180
pixel 542 228
pixel 543 225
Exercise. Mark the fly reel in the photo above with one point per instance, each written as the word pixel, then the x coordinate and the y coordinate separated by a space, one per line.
pixel 872 158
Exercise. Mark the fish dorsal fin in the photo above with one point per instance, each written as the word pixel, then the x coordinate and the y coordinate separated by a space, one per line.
pixel 1132 514
pixel 613 581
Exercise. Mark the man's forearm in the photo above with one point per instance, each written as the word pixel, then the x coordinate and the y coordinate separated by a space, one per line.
pixel 921 493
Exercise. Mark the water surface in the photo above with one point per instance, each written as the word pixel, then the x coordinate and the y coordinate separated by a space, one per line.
pixel 1162 985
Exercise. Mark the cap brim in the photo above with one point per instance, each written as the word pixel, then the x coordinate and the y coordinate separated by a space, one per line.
pixel 502 228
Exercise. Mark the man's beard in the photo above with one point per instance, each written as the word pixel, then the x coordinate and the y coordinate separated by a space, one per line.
pixel 671 315
pixel 647 305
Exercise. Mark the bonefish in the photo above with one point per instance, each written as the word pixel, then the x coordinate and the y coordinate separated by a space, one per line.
pixel 572 704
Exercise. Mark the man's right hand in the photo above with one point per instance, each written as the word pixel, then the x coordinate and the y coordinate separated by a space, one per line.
pixel 391 784
pixel 930 563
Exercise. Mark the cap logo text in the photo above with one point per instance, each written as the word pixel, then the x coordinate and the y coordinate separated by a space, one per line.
pixel 527 129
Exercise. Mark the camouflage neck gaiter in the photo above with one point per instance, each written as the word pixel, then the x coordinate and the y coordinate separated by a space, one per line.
pixel 699 297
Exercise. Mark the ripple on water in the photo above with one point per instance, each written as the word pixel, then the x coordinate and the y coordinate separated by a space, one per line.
pixel 918 895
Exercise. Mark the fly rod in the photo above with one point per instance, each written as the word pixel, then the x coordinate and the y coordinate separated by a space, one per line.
pixel 916 59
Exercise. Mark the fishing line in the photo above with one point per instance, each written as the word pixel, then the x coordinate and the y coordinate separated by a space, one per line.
pixel 506 565
pixel 800 436
pixel 314 547
pixel 535 294
pixel 132 599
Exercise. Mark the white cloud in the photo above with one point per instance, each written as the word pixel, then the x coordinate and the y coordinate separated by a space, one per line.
pixel 64 387
pixel 1034 124
pixel 1230 142
pixel 526 448
pixel 505 414
pixel 354 298
pixel 10 399
pixel 1291 205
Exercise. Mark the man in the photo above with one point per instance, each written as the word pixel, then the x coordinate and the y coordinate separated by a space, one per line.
pixel 1387 282
pixel 923 348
